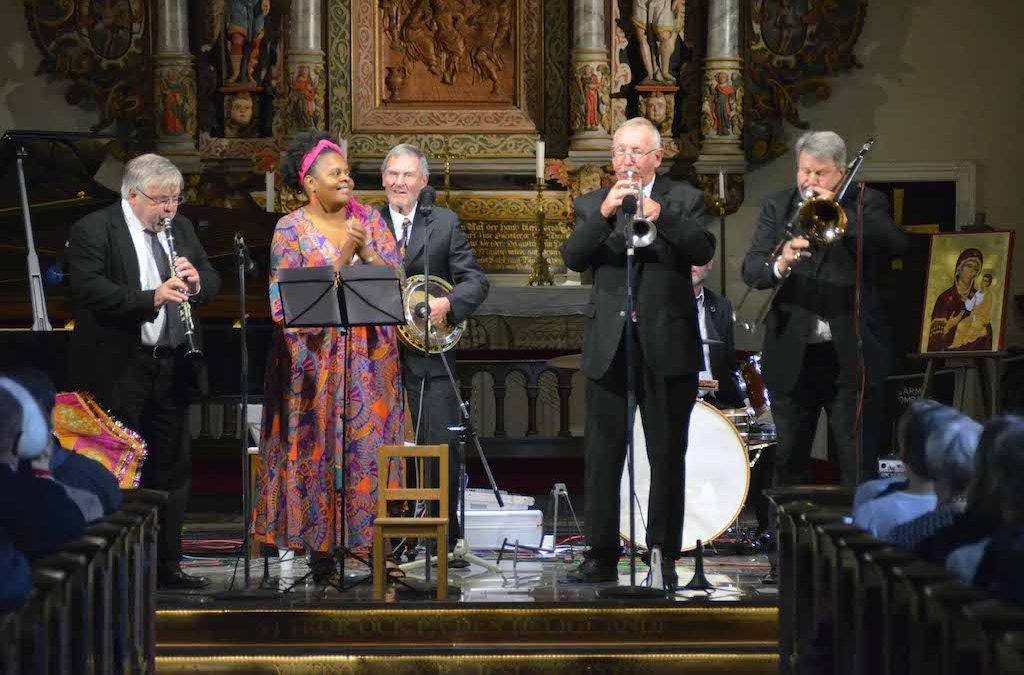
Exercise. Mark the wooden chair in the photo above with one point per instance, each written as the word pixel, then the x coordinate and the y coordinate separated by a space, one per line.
pixel 385 527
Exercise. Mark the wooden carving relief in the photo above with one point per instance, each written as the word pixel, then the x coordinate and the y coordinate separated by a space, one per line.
pixel 795 47
pixel 425 65
pixel 101 48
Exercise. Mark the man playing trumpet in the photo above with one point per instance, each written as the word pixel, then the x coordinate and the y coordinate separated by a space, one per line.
pixel 667 355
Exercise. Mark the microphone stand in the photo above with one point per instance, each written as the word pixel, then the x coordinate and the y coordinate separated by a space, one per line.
pixel 461 555
pixel 40 318
pixel 632 591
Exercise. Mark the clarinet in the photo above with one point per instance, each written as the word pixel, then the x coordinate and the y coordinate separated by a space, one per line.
pixel 184 308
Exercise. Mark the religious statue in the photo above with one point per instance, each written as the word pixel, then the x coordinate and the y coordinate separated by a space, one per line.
pixel 303 94
pixel 246 21
pixel 176 102
pixel 658 108
pixel 724 110
pixel 238 115
pixel 655 22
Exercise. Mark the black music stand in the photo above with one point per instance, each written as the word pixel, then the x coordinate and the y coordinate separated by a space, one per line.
pixel 357 295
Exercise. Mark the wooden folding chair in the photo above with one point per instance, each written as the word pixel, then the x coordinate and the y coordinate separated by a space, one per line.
pixel 385 526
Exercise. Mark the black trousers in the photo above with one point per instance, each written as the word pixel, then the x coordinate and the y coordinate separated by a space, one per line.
pixel 152 397
pixel 440 411
pixel 796 419
pixel 665 407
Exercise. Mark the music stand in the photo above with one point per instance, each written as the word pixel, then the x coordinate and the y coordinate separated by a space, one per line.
pixel 357 295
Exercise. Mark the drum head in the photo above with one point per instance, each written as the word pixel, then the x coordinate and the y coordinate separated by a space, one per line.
pixel 717 478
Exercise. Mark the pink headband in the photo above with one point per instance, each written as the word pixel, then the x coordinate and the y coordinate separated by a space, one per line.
pixel 310 157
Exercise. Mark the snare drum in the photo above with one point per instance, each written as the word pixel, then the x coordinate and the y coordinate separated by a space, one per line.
pixel 757 393
pixel 717 478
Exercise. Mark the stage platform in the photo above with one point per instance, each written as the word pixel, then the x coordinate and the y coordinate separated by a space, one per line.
pixel 524 619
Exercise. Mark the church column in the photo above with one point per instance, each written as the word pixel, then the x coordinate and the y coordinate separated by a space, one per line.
pixel 174 87
pixel 722 116
pixel 304 64
pixel 590 85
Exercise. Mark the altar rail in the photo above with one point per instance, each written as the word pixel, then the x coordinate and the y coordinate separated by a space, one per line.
pixel 93 603
pixel 850 604
pixel 487 384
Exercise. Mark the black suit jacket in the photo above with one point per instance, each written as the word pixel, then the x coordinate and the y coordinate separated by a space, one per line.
pixel 824 286
pixel 718 317
pixel 451 258
pixel 109 305
pixel 666 310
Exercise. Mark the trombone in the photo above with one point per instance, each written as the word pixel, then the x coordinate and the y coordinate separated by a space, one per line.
pixel 821 220
pixel 642 231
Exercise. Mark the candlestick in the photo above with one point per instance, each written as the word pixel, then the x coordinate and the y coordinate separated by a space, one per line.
pixel 268 178
pixel 540 161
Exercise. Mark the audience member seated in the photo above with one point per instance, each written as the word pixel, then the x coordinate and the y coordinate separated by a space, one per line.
pixel 999 571
pixel 36 513
pixel 15 577
pixel 878 487
pixel 950 458
pixel 971 530
pixel 78 474
pixel 918 423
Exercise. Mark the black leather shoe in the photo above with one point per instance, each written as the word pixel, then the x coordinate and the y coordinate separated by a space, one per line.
pixel 177 580
pixel 595 571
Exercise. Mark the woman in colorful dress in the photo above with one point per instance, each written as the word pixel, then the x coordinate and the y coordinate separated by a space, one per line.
pixel 298 506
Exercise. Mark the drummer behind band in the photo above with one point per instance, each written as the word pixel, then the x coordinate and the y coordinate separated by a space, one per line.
pixel 714 313
pixel 810 358
pixel 404 174
pixel 714 316
pixel 666 357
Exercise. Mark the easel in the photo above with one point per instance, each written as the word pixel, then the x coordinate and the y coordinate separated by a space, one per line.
pixel 989 366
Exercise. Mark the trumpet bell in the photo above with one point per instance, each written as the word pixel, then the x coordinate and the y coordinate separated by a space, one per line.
pixel 413 333
pixel 644 233
pixel 822 220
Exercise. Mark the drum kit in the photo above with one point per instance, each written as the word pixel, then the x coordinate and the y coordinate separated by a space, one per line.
pixel 723 446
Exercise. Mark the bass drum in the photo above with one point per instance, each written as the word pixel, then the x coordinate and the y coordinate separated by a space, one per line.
pixel 717 478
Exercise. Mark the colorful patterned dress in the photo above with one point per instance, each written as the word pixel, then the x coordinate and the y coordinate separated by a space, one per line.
pixel 297 504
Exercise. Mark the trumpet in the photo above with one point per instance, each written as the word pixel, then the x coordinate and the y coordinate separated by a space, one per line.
pixel 642 231
pixel 184 309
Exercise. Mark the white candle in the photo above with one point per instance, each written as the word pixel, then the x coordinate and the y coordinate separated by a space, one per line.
pixel 343 144
pixel 721 185
pixel 540 161
pixel 269 180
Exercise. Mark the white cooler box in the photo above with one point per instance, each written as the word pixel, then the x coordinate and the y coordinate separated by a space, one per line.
pixel 487 529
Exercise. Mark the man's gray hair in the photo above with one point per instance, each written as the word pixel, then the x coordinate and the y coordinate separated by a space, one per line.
pixel 407 150
pixel 822 146
pixel 644 123
pixel 157 172
pixel 951 449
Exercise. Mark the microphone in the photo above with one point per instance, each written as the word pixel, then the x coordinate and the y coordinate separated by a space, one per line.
pixel 426 202
pixel 242 253
pixel 629 204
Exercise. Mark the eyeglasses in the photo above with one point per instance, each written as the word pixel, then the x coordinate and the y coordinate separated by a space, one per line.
pixel 634 154
pixel 163 201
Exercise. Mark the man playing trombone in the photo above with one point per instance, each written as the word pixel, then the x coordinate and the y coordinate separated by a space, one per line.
pixel 667 351
pixel 815 354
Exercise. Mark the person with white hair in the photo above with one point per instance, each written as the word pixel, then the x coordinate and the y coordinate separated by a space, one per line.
pixel 128 346
pixel 929 432
pixel 816 356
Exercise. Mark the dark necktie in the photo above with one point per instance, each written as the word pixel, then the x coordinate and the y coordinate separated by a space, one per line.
pixel 173 333
pixel 406 226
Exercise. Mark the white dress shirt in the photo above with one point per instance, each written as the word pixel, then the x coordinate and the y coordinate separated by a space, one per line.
pixel 149 275
pixel 705 371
